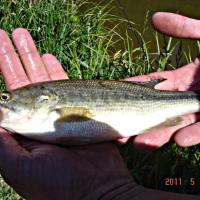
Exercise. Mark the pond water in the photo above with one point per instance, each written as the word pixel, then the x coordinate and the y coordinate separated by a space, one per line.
pixel 136 11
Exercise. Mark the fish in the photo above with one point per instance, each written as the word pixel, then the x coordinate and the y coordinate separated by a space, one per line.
pixel 78 112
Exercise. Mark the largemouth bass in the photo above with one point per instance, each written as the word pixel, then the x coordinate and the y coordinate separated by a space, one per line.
pixel 74 112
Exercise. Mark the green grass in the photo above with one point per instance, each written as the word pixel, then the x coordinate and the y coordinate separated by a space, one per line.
pixel 7 193
pixel 86 39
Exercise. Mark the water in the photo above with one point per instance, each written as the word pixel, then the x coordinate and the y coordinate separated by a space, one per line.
pixel 136 11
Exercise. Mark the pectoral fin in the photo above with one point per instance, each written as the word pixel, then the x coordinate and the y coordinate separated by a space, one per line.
pixel 74 114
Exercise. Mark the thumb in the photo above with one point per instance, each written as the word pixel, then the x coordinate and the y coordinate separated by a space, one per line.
pixel 11 157
pixel 176 25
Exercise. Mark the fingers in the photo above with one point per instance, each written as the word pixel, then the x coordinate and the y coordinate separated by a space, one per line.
pixel 188 136
pixel 176 25
pixel 35 69
pixel 54 68
pixel 154 139
pixel 10 64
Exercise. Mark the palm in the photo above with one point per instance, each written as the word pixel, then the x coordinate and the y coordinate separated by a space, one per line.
pixel 88 168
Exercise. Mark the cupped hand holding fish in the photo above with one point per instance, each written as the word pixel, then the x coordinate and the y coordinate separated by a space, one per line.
pixel 41 171
pixel 182 79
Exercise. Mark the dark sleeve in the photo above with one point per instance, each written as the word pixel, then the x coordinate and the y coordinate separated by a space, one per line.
pixel 133 191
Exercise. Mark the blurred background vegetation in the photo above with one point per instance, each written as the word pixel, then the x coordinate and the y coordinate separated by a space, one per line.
pixel 93 43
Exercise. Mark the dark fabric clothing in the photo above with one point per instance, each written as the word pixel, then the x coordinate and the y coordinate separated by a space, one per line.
pixel 137 192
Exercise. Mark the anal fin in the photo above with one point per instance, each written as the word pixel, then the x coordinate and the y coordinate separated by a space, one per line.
pixel 166 124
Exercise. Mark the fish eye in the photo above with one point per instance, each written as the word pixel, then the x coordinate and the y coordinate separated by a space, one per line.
pixel 5 96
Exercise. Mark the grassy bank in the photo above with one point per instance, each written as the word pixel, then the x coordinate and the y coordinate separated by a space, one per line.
pixel 87 41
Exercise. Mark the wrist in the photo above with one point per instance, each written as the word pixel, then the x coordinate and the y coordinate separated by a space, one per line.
pixel 132 190
pixel 123 191
pixel 118 190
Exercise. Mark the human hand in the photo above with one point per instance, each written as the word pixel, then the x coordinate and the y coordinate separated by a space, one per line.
pixel 182 79
pixel 43 171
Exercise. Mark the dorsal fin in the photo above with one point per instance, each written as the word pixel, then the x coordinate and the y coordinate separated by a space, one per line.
pixel 150 83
